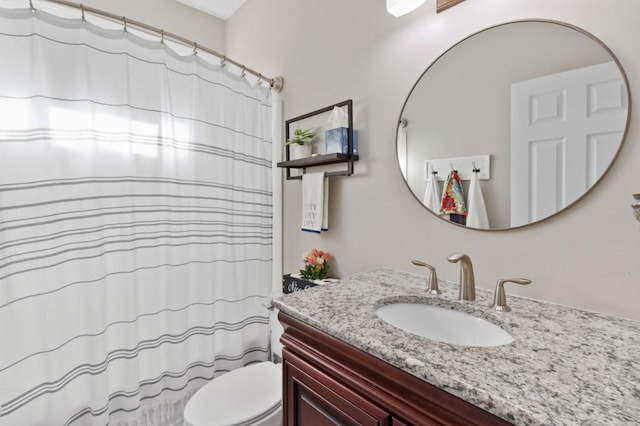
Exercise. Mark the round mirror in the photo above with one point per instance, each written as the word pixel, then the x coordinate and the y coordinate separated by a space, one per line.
pixel 513 124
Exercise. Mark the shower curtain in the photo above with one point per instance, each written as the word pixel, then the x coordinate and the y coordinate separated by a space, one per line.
pixel 135 223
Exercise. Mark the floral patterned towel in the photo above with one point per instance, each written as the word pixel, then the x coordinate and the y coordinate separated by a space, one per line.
pixel 453 196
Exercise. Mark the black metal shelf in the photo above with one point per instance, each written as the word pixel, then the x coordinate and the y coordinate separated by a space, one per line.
pixel 318 160
pixel 326 159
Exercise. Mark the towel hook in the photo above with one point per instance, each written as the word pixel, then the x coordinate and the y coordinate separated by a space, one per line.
pixel 433 172
pixel 475 169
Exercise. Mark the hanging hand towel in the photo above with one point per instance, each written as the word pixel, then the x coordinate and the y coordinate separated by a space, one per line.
pixel 432 194
pixel 477 217
pixel 325 204
pixel 315 194
pixel 453 199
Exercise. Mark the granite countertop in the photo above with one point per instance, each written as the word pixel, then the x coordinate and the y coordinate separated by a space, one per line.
pixel 565 367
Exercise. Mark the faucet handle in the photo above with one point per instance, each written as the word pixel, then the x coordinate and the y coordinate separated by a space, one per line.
pixel 500 297
pixel 433 278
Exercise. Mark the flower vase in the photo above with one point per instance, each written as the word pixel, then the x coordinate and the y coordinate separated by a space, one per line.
pixel 297 151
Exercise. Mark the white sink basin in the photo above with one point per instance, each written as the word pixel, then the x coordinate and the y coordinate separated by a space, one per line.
pixel 443 325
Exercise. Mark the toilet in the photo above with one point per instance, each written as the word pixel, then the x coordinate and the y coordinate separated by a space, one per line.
pixel 247 396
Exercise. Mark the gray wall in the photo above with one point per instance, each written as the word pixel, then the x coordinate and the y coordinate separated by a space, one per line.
pixel 332 50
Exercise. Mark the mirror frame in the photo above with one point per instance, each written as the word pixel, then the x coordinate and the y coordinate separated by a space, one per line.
pixel 588 191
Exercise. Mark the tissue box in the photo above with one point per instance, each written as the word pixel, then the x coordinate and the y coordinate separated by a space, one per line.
pixel 336 140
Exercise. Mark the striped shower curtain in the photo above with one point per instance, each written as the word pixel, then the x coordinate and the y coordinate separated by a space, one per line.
pixel 135 224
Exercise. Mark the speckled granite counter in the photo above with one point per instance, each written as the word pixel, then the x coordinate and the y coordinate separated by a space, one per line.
pixel 565 367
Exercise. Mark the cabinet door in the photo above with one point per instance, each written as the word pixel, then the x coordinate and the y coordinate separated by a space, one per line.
pixel 314 399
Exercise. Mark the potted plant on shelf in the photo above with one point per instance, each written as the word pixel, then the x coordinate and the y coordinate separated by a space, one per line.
pixel 300 143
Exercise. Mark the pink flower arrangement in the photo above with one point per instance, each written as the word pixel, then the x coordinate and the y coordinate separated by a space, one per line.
pixel 316 265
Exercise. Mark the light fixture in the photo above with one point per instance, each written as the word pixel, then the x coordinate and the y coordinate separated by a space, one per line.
pixel 401 7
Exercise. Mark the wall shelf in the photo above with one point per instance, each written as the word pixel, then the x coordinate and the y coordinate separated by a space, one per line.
pixel 318 160
pixel 324 159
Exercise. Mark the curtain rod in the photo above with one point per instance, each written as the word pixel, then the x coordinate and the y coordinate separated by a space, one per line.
pixel 276 83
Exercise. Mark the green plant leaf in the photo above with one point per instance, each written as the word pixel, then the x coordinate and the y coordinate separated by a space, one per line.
pixel 302 137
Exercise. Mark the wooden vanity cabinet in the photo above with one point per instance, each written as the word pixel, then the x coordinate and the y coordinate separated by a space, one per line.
pixel 328 382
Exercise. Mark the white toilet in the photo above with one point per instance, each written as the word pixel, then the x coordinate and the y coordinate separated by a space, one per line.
pixel 248 396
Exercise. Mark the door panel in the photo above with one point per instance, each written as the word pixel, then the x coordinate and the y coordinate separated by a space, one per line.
pixel 565 130
pixel 319 400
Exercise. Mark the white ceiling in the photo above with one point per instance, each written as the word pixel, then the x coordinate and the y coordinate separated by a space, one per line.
pixel 222 9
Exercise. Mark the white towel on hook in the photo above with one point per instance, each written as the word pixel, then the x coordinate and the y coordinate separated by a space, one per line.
pixel 477 216
pixel 315 202
pixel 432 194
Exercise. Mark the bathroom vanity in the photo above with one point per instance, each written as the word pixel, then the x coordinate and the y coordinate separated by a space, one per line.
pixel 344 365
pixel 328 382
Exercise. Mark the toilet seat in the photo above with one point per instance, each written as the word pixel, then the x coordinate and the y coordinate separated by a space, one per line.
pixel 241 397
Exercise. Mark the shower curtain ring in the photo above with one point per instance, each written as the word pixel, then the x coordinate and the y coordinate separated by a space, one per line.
pixel 161 36
pixel 124 22
pixel 33 9
pixel 84 21
pixel 195 48
pixel 244 72
pixel 223 61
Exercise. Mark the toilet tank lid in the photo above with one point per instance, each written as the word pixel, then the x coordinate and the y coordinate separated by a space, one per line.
pixel 243 396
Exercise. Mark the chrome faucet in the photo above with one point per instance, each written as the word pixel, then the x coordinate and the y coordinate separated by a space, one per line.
pixel 467 281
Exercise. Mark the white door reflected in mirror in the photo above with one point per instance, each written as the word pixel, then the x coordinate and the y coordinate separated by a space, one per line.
pixel 565 131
